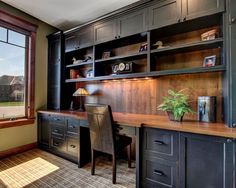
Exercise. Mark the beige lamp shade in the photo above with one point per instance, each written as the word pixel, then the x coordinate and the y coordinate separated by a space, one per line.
pixel 80 92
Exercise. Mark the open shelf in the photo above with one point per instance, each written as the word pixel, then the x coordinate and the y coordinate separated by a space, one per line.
pixel 189 70
pixel 122 57
pixel 191 46
pixel 79 64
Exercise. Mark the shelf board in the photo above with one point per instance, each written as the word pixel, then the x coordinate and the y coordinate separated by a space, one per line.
pixel 110 77
pixel 121 57
pixel 191 46
pixel 79 64
pixel 188 70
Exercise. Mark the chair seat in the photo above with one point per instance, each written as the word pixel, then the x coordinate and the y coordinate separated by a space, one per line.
pixel 122 141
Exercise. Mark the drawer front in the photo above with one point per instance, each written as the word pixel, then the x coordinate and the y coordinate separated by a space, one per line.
pixel 73 146
pixel 57 119
pixel 159 173
pixel 126 130
pixel 72 127
pixel 58 130
pixel 58 144
pixel 83 123
pixel 161 143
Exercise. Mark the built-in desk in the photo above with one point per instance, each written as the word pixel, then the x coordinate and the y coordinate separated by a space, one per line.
pixel 170 154
pixel 162 122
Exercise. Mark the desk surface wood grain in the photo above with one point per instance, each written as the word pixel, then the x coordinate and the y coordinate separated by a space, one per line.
pixel 161 122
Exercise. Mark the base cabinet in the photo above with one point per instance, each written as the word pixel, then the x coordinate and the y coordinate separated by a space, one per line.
pixel 64 136
pixel 184 160
pixel 206 161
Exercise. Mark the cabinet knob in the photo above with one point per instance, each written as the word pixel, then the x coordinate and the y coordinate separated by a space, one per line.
pixel 234 125
pixel 233 20
pixel 184 19
pixel 179 20
pixel 115 37
pixel 229 140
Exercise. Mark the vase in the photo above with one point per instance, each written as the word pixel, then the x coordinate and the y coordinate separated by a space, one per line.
pixel 172 117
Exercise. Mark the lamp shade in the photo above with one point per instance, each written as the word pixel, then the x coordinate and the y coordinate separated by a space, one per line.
pixel 80 92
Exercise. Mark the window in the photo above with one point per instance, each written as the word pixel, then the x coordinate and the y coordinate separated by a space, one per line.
pixel 17 51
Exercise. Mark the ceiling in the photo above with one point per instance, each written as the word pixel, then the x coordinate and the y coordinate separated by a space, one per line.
pixel 66 14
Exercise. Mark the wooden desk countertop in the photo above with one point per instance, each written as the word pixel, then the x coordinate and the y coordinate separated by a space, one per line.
pixel 161 122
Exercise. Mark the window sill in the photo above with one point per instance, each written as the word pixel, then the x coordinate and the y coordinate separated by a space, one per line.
pixel 15 123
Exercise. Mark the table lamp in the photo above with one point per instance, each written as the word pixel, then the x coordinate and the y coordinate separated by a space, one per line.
pixel 80 92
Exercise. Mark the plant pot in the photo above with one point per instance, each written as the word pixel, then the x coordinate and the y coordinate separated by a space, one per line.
pixel 172 117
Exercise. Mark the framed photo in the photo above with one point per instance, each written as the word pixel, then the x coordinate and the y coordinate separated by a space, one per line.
pixel 209 61
pixel 106 54
pixel 143 47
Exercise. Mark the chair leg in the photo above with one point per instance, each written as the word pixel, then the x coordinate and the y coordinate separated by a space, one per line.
pixel 92 162
pixel 113 169
pixel 129 155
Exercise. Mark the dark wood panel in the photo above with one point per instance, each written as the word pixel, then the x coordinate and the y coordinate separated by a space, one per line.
pixel 142 96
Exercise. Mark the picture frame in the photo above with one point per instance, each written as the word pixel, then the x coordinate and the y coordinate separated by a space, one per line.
pixel 106 54
pixel 209 61
pixel 143 47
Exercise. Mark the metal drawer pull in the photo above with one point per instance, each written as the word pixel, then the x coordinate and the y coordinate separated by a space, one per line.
pixel 159 142
pixel 56 144
pixel 158 172
pixel 73 146
pixel 72 127
pixel 56 130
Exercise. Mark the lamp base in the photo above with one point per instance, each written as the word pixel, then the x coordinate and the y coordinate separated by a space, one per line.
pixel 81 110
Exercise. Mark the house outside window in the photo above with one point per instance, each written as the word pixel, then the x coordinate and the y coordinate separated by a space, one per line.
pixel 17 59
pixel 13 53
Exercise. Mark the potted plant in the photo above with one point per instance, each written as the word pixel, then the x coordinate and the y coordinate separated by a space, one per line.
pixel 176 105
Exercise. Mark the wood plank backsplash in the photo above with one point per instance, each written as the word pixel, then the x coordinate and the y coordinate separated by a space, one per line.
pixel 142 96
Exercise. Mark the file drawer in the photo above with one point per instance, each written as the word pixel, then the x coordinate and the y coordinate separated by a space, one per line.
pixel 159 173
pixel 161 143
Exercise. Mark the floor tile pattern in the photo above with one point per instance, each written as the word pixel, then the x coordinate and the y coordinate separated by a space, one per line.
pixel 40 169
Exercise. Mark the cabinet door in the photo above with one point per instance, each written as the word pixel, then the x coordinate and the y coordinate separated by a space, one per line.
pixel 43 130
pixel 164 13
pixel 206 161
pixel 192 8
pixel 54 71
pixel 79 39
pixel 105 31
pixel 132 23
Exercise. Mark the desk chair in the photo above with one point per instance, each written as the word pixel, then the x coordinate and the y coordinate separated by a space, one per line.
pixel 103 137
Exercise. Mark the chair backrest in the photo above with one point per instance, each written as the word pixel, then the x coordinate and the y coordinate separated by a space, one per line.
pixel 101 128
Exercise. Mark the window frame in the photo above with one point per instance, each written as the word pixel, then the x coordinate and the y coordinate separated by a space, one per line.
pixel 18 24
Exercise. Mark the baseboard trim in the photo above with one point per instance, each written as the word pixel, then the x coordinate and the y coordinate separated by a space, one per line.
pixel 17 150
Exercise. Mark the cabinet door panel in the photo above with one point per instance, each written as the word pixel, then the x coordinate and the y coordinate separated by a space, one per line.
pixel 79 39
pixel 105 31
pixel 43 130
pixel 193 8
pixel 54 72
pixel 164 13
pixel 132 23
pixel 232 66
pixel 204 161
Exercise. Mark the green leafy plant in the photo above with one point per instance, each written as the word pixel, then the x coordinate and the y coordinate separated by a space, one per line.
pixel 176 103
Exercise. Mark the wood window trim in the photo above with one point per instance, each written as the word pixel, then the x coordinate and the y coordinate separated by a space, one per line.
pixel 14 22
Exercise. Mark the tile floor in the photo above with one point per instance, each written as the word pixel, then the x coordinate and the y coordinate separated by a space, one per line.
pixel 37 168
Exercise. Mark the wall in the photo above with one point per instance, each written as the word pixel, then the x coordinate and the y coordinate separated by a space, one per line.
pixel 142 96
pixel 18 136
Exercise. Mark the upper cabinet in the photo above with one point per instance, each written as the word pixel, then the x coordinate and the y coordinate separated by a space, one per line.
pixel 132 23
pixel 105 31
pixel 167 12
pixel 123 26
pixel 193 9
pixel 164 13
pixel 79 39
